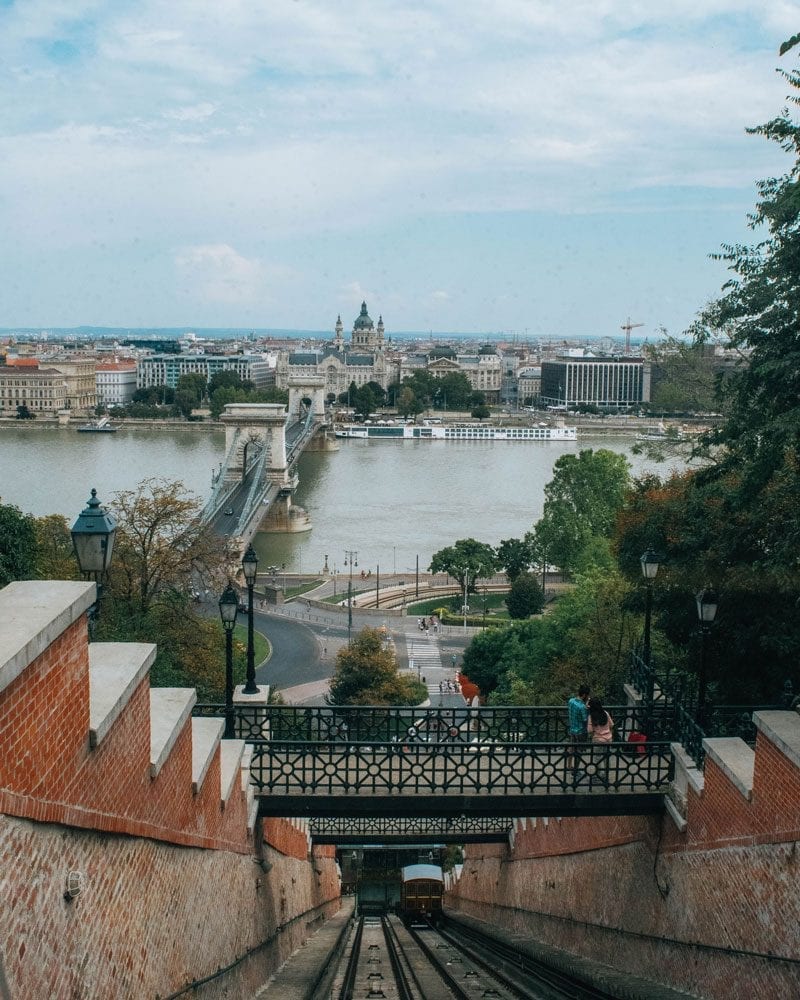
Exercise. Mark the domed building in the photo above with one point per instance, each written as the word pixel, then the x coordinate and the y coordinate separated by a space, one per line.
pixel 363 360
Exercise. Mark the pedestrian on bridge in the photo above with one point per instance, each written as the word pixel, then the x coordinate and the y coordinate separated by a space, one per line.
pixel 578 729
pixel 599 725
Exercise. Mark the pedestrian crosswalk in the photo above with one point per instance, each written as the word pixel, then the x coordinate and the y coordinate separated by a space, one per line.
pixel 424 658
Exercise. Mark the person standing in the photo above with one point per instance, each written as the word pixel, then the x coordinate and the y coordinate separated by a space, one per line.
pixel 600 726
pixel 578 731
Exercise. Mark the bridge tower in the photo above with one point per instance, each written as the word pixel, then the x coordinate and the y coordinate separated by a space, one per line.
pixel 259 429
pixel 311 388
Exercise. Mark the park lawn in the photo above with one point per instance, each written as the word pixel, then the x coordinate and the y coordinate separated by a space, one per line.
pixel 261 646
pixel 495 606
pixel 303 588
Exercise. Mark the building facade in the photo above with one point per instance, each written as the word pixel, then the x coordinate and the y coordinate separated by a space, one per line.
pixel 42 390
pixel 606 382
pixel 80 379
pixel 166 369
pixel 116 382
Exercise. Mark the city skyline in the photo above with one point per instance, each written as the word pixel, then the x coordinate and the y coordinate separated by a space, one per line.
pixel 465 170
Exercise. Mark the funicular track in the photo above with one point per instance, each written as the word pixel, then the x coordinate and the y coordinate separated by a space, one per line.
pixel 389 960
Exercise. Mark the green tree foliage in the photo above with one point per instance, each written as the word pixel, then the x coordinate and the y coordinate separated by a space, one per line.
pixel 55 555
pixel 515 556
pixel 407 403
pixel 17 545
pixel 161 545
pixel 228 379
pixel 367 674
pixel 23 413
pixel 467 559
pixel 526 597
pixel 586 638
pixel 582 501
pixel 222 396
pixel 453 391
pixel 481 411
pixel 683 376
pixel 193 383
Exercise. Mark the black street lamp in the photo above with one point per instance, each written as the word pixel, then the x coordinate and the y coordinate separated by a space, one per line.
pixel 650 563
pixel 228 607
pixel 93 541
pixel 707 604
pixel 250 569
pixel 350 559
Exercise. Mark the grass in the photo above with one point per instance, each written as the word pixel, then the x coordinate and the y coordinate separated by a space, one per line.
pixel 495 606
pixel 261 646
pixel 303 588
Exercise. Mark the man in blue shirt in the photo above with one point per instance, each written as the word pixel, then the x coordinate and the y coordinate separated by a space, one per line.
pixel 578 717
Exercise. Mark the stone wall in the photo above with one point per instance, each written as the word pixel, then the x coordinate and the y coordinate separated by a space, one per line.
pixel 709 905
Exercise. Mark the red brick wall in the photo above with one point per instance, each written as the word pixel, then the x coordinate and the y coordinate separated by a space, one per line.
pixel 48 772
pixel 151 918
pixel 701 910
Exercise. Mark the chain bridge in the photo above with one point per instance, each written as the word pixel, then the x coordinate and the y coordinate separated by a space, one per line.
pixel 256 480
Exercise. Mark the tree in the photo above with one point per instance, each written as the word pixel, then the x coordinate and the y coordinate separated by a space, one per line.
pixel 367 674
pixel 526 597
pixel 582 500
pixel 481 411
pixel 585 639
pixel 515 556
pixel 226 379
pixel 55 555
pixel 454 389
pixel 407 402
pixel 23 413
pixel 162 545
pixel 468 560
pixel 683 377
pixel 194 384
pixel 17 545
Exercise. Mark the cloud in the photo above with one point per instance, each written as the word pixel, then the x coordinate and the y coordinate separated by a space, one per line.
pixel 216 273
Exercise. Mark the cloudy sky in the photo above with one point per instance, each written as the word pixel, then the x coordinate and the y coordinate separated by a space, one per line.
pixel 466 165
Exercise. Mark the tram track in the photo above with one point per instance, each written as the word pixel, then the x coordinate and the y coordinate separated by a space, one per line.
pixel 388 961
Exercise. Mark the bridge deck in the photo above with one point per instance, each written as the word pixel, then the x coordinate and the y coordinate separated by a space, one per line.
pixel 446 779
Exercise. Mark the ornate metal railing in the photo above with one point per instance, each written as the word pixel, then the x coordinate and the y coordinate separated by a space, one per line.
pixel 374 829
pixel 481 768
pixel 356 724
pixel 675 699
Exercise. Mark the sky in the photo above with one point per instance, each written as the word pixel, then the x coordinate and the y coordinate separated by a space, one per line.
pixel 503 166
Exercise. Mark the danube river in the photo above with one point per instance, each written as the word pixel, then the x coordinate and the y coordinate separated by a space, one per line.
pixel 388 501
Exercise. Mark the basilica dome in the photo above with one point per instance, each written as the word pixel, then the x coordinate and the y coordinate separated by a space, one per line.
pixel 363 322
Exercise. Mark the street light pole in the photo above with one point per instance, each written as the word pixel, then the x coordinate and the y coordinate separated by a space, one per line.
pixel 466 588
pixel 350 559
pixel 228 607
pixel 707 604
pixel 250 569
pixel 93 536
pixel 416 584
pixel 378 586
pixel 650 563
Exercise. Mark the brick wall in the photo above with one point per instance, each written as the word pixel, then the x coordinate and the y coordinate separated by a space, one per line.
pixel 709 910
pixel 175 886
pixel 151 918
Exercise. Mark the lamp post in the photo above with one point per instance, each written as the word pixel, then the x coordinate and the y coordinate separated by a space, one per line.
pixel 228 607
pixel 650 563
pixel 707 604
pixel 466 588
pixel 93 541
pixel 350 560
pixel 250 568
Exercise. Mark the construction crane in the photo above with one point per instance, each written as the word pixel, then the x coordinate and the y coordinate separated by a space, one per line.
pixel 627 327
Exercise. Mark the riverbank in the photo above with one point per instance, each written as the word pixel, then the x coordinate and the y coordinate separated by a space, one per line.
pixel 51 423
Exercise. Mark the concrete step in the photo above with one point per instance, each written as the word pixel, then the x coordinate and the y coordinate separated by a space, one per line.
pixel 231 752
pixel 206 735
pixel 169 710
pixel 736 759
pixel 116 669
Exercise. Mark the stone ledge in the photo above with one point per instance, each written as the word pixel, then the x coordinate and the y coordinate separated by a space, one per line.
pixel 115 671
pixel 34 614
pixel 231 752
pixel 206 735
pixel 782 729
pixel 169 710
pixel 735 759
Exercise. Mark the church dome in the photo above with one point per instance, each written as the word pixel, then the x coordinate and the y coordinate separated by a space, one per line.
pixel 363 322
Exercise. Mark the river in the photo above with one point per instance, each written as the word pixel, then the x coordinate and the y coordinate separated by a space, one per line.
pixel 390 501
